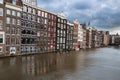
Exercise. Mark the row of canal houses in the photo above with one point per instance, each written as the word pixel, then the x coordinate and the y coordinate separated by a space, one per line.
pixel 26 28
pixel 88 37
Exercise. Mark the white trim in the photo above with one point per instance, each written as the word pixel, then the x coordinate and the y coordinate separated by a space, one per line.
pixel 13 7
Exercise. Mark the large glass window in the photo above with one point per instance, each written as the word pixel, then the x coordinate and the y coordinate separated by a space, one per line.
pixel 1 38
pixel 1 11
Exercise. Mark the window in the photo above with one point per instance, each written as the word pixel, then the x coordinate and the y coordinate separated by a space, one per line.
pixel 25 9
pixel 13 40
pixel 45 21
pixel 8 41
pixel 8 20
pixel 8 11
pixel 7 30
pixel 33 11
pixel 1 24
pixel 1 1
pixel 59 25
pixel 45 15
pixel 62 21
pixel 7 48
pixel 29 17
pixel 1 38
pixel 29 10
pixel 17 41
pixel 39 13
pixel 42 14
pixel 33 18
pixel 18 31
pixel 13 21
pixel 58 20
pixel 18 22
pixel 1 11
pixel 13 13
pixel 18 14
pixel 13 31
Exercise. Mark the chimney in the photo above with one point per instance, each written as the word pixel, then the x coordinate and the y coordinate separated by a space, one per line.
pixel 9 1
pixel 19 2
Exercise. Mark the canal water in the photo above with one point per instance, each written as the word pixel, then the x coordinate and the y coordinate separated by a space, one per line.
pixel 92 64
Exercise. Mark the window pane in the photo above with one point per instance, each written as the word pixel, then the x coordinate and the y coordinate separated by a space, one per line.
pixel 1 11
pixel 18 22
pixel 18 14
pixel 13 21
pixel 13 13
pixel 8 20
pixel 8 11
pixel 7 30
pixel 1 38
pixel 1 24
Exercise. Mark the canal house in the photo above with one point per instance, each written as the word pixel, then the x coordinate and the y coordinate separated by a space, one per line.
pixel 61 31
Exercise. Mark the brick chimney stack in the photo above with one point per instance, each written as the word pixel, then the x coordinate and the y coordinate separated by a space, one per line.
pixel 9 1
pixel 19 2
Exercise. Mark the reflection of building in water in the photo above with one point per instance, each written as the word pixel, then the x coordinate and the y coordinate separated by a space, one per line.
pixel 46 63
pixel 28 65
pixel 34 65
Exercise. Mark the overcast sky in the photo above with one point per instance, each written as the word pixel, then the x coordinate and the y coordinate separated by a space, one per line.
pixel 104 14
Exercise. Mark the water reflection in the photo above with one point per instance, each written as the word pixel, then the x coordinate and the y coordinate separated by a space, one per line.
pixel 93 64
pixel 46 63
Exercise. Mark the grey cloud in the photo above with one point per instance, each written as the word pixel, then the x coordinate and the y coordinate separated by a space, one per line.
pixel 81 5
pixel 102 13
